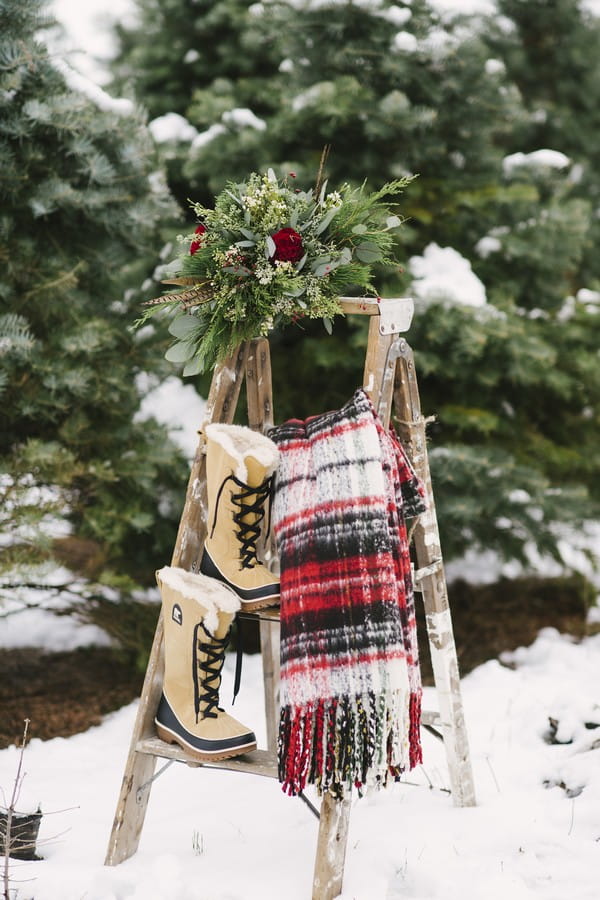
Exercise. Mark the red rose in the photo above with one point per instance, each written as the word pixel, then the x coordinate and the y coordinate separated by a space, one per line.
pixel 195 245
pixel 288 245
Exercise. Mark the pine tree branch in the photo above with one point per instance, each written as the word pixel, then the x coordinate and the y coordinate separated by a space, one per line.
pixel 68 277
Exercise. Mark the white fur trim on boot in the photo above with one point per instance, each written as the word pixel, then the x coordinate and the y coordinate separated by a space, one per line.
pixel 239 441
pixel 214 596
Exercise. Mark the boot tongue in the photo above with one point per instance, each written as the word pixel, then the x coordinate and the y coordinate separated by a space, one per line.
pixel 224 623
pixel 224 620
pixel 255 469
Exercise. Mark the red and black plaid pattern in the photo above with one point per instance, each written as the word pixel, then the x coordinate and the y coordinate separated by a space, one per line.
pixel 350 682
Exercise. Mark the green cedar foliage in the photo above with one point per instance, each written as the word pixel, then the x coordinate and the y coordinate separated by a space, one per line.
pixel 80 219
pixel 394 89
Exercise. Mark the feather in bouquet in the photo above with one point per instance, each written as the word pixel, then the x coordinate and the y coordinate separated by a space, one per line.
pixel 269 254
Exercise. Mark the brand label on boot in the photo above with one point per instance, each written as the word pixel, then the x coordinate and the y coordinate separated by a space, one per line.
pixel 177 614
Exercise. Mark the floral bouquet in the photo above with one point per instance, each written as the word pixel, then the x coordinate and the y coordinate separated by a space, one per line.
pixel 269 254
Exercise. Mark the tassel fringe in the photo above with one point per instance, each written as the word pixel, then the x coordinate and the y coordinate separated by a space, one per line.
pixel 342 743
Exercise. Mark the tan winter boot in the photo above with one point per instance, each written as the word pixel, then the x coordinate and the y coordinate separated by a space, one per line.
pixel 197 613
pixel 239 468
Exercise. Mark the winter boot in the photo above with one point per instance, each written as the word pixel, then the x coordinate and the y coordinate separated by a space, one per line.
pixel 239 469
pixel 197 613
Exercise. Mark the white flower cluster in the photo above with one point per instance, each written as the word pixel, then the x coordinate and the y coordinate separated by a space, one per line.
pixel 313 290
pixel 285 305
pixel 266 204
pixel 332 200
pixel 232 256
pixel 267 326
pixel 263 271
pixel 285 266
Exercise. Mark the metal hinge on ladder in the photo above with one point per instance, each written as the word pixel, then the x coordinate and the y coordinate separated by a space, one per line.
pixel 395 315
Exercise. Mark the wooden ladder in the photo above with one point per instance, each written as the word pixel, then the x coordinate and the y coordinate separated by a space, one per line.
pixel 389 379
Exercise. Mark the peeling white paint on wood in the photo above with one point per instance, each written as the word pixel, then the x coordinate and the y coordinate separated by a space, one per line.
pixel 430 539
pixel 439 627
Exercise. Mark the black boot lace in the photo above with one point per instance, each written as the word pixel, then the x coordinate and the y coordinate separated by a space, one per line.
pixel 251 502
pixel 207 672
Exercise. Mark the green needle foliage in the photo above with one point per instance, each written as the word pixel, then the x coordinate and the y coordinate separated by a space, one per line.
pixel 81 213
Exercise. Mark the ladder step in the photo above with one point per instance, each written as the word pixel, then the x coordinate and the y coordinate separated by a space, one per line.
pixel 272 614
pixel 259 762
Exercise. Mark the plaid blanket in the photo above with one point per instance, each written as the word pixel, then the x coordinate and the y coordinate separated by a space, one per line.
pixel 350 680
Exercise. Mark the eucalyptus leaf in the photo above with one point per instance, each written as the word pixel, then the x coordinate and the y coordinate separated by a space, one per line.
pixel 183 326
pixel 320 261
pixel 249 234
pixel 233 197
pixel 193 367
pixel 271 175
pixel 326 268
pixel 180 352
pixel 300 265
pixel 346 256
pixel 326 220
pixel 310 213
pixel 393 221
pixel 245 244
pixel 359 229
pixel 328 325
pixel 294 219
pixel 295 292
pixel 367 252
pixel 271 249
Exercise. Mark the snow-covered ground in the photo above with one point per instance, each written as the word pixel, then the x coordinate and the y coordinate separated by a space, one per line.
pixel 212 835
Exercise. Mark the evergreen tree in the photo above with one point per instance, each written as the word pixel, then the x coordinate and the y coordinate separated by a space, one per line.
pixel 201 55
pixel 394 89
pixel 81 211
pixel 550 50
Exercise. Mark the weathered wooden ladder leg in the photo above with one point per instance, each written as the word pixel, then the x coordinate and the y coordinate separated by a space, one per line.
pixel 139 769
pixel 390 377
pixel 259 394
pixel 432 582
pixel 378 381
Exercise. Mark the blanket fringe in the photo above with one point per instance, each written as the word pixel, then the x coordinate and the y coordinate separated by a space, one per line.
pixel 337 743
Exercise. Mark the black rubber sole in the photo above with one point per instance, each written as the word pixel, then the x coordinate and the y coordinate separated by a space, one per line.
pixel 170 729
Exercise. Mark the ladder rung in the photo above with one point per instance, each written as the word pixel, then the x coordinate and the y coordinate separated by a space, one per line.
pixel 425 571
pixel 259 762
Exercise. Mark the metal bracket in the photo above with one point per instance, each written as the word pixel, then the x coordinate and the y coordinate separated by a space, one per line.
pixel 139 794
pixel 433 731
pixel 310 805
pixel 395 314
